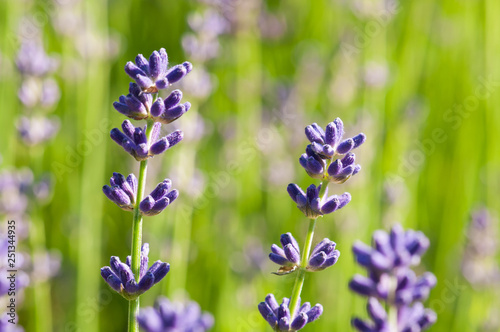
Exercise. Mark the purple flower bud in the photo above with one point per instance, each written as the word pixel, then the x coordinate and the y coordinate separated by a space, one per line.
pixel 362 285
pixel 288 257
pixel 359 139
pixel 134 140
pixel 376 311
pixel 345 146
pixel 173 99
pixel 314 135
pixel 280 317
pixel 323 256
pixel 156 67
pixel 135 105
pixel 312 205
pixel 159 199
pixel 121 278
pixel 121 192
pixel 176 73
pixel 153 75
pixel 142 63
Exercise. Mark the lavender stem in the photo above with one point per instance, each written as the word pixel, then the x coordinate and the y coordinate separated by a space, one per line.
pixel 393 309
pixel 133 308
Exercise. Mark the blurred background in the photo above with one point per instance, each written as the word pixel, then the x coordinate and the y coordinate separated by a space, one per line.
pixel 420 78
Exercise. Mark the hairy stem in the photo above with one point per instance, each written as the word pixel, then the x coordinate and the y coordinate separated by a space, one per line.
pixel 133 308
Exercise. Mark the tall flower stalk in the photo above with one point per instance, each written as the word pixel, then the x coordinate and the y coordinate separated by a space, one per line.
pixel 329 159
pixel 132 278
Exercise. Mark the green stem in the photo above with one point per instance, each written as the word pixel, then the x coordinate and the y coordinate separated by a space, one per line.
pixel 393 310
pixel 393 318
pixel 301 274
pixel 37 240
pixel 133 308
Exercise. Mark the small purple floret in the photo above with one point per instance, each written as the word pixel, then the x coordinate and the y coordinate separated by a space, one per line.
pixel 136 104
pixel 280 318
pixel 134 140
pixel 154 75
pixel 311 204
pixel 122 191
pixel 120 277
pixel 323 256
pixel 159 199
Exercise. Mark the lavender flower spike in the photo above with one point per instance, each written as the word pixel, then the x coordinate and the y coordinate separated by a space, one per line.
pixel 134 140
pixel 122 191
pixel 121 278
pixel 311 204
pixel 174 317
pixel 288 256
pixel 154 75
pixel 323 256
pixel 159 199
pixel 280 318
pixel 136 104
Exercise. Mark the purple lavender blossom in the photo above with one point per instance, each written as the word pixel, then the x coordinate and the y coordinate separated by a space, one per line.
pixel 136 104
pixel 312 205
pixel 33 61
pixel 18 186
pixel 159 199
pixel 326 145
pixel 134 140
pixel 479 263
pixel 288 256
pixel 120 277
pixel 390 279
pixel 37 130
pixel 280 318
pixel 34 91
pixel 170 109
pixel 154 75
pixel 122 191
pixel 323 255
pixel 174 317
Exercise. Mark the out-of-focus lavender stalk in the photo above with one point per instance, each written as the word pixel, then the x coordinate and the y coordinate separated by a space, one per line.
pixel 391 280
pixel 38 93
pixel 480 265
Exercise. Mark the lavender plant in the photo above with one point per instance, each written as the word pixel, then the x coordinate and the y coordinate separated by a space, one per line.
pixel 133 278
pixel 391 280
pixel 329 159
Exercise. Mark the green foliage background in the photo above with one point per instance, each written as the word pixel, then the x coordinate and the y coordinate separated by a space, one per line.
pixel 432 154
